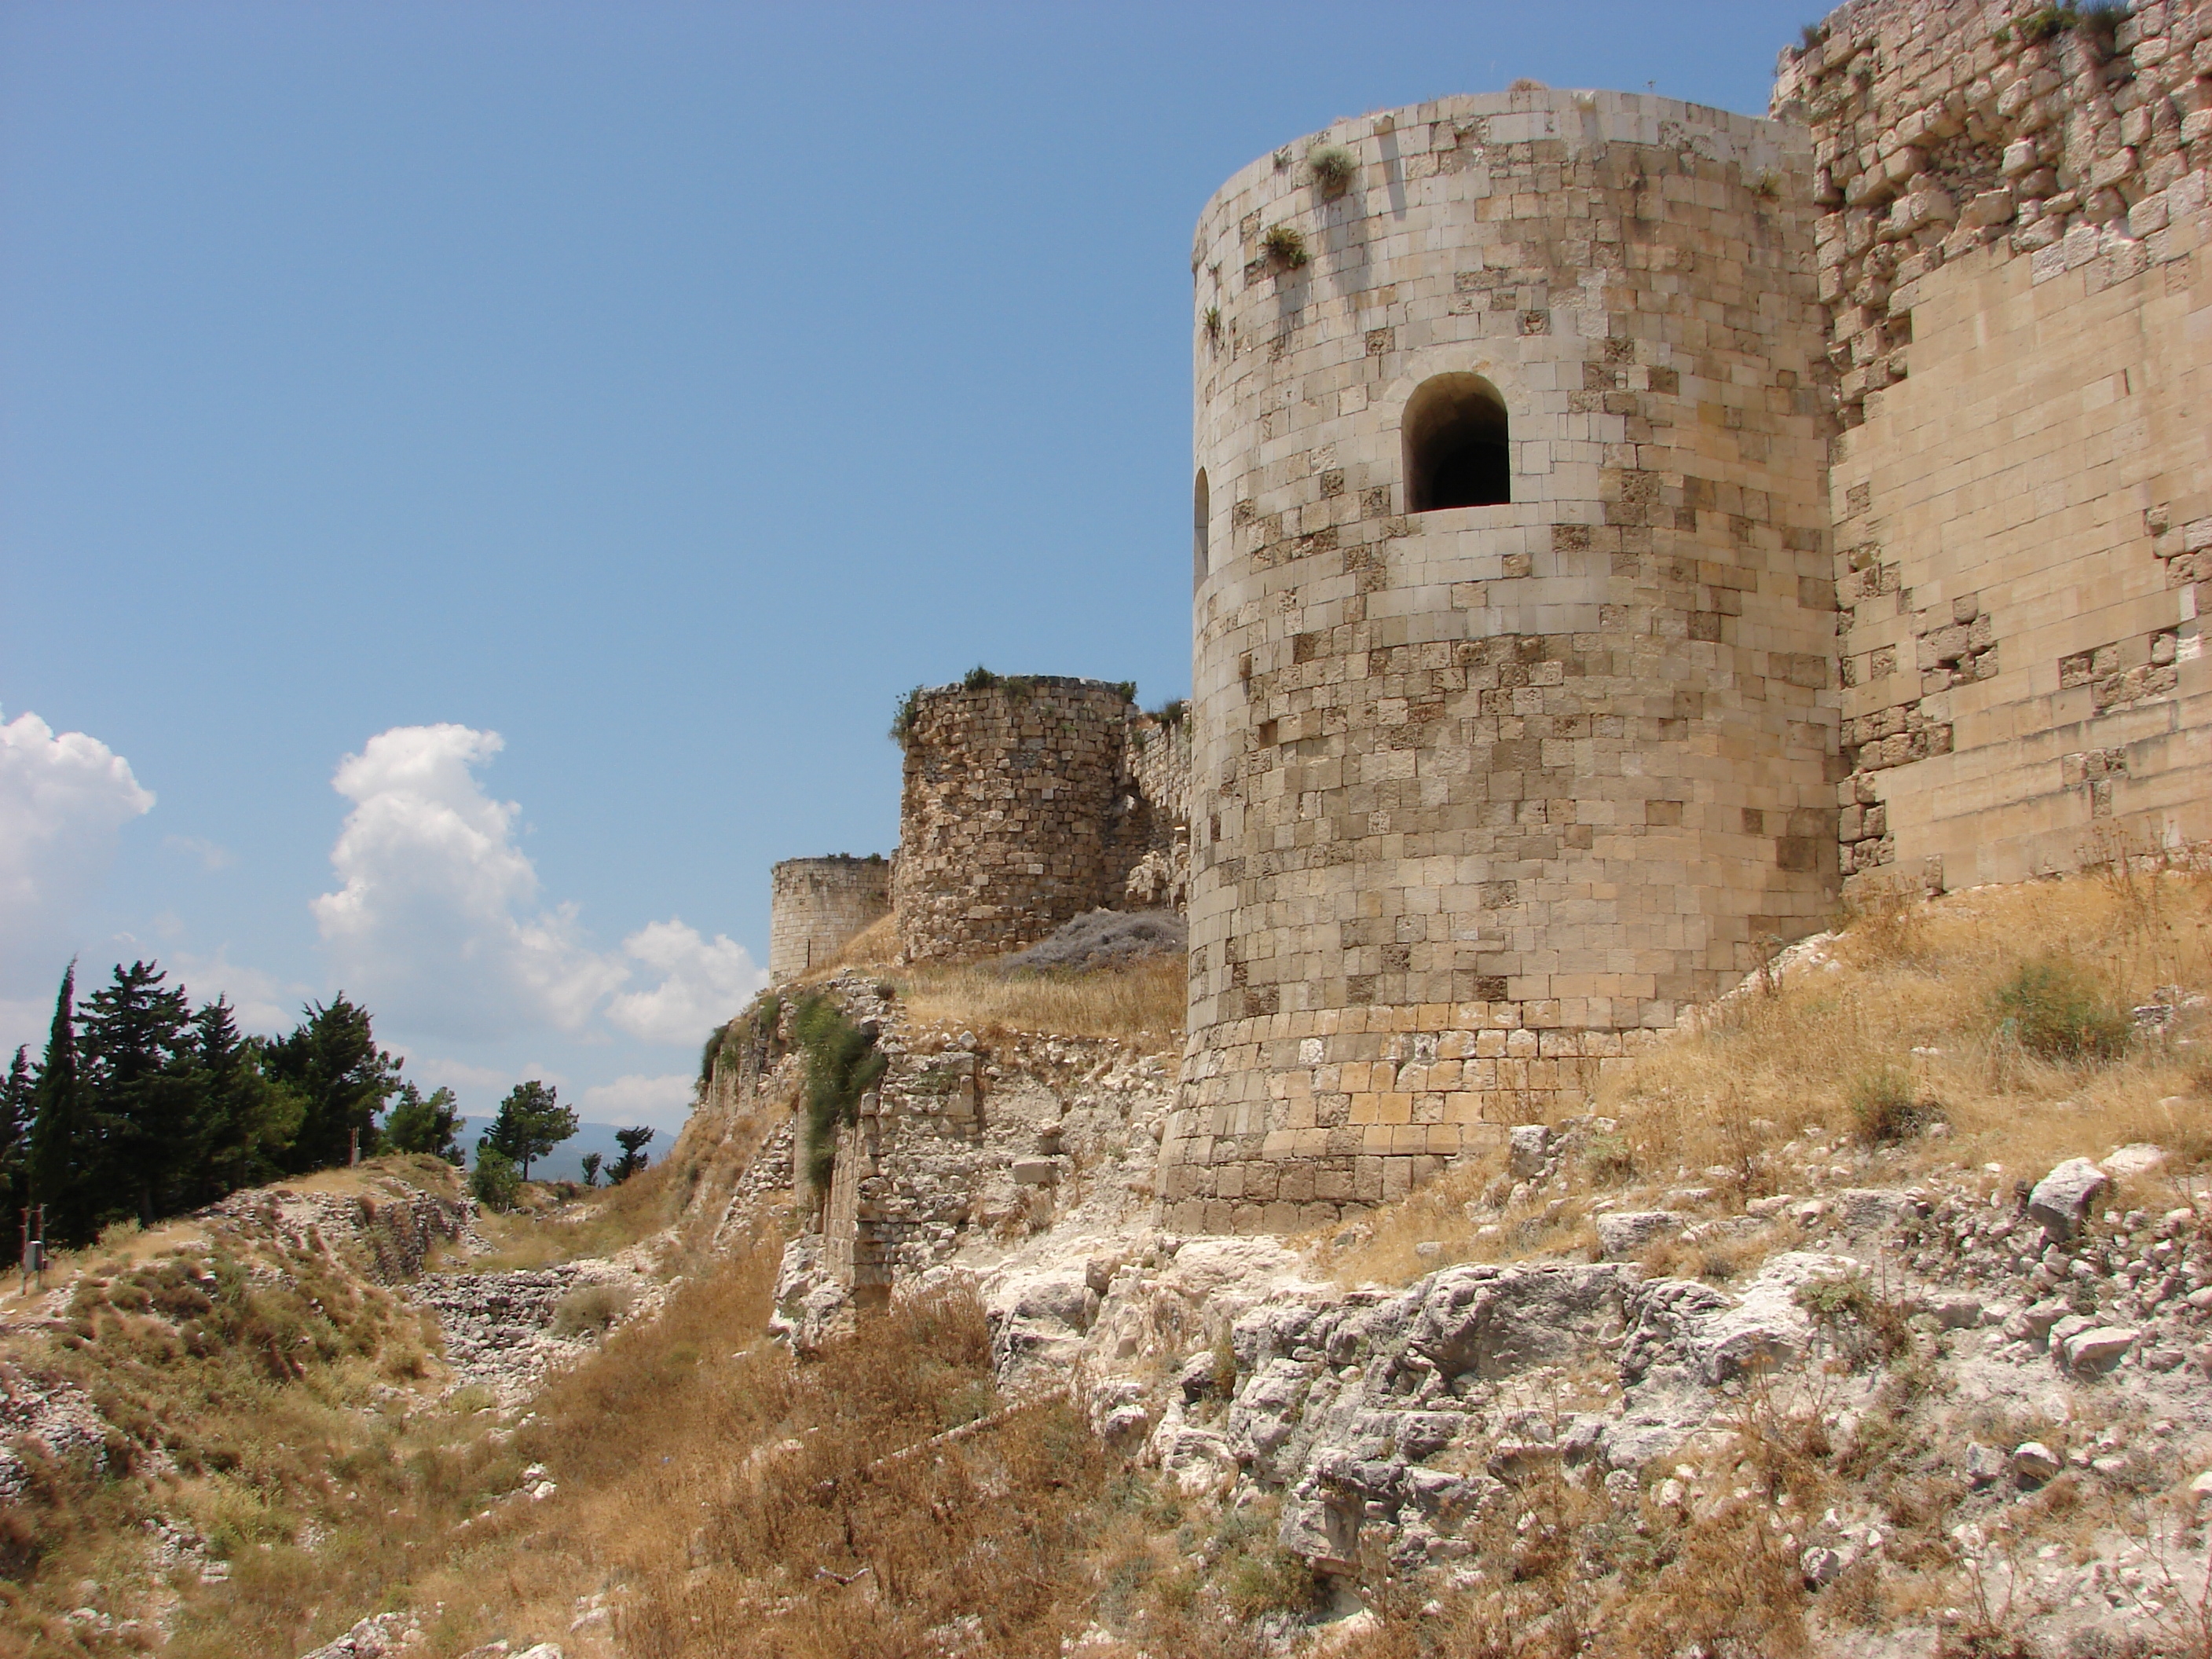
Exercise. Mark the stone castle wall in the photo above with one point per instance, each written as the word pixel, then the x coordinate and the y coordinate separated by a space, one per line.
pixel 2013 258
pixel 1017 813
pixel 1159 763
pixel 815 905
pixel 1481 793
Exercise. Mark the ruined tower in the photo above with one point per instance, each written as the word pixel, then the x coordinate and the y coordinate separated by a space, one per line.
pixel 1018 812
pixel 815 905
pixel 1513 621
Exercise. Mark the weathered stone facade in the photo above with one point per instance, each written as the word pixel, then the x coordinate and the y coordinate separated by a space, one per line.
pixel 2013 258
pixel 1022 808
pixel 815 905
pixel 1482 792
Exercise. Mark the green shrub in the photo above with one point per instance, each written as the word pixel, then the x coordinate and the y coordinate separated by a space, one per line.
pixel 1285 246
pixel 1885 1106
pixel 1609 1157
pixel 979 678
pixel 1862 1325
pixel 903 717
pixel 2047 23
pixel 496 1181
pixel 1334 168
pixel 842 1064
pixel 1274 1581
pixel 2053 1008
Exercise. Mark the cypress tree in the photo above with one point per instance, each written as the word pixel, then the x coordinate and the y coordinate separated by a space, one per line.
pixel 15 1108
pixel 63 1146
pixel 251 1119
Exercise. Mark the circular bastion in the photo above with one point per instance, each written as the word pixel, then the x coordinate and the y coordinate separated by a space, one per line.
pixel 815 905
pixel 1017 812
pixel 1513 619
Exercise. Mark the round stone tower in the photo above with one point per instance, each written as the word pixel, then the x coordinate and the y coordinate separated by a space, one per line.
pixel 1513 622
pixel 1018 813
pixel 816 904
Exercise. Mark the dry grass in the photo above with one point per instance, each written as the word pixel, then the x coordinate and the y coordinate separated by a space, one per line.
pixel 547 1229
pixel 1895 1062
pixel 878 1500
pixel 1142 1003
pixel 1918 1001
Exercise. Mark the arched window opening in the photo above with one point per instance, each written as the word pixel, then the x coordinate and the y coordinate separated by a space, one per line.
pixel 1201 510
pixel 1456 453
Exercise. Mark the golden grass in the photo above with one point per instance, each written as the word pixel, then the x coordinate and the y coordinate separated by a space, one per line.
pixel 1916 994
pixel 592 1222
pixel 126 1244
pixel 1762 1089
pixel 1142 1003
pixel 876 946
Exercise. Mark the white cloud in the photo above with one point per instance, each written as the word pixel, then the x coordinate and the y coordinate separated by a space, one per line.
pixel 663 1101
pixel 439 925
pixel 702 983
pixel 212 856
pixel 432 1071
pixel 62 800
pixel 262 1001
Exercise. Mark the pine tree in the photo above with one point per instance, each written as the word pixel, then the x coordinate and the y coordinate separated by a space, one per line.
pixel 148 1093
pixel 15 1108
pixel 343 1080
pixel 532 1122
pixel 425 1123
pixel 63 1146
pixel 633 1159
pixel 251 1119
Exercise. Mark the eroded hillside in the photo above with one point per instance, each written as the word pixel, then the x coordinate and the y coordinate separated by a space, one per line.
pixel 1868 1317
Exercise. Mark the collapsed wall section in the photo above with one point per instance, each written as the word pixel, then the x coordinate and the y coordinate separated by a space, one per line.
pixel 1513 625
pixel 1018 813
pixel 2013 259
pixel 816 905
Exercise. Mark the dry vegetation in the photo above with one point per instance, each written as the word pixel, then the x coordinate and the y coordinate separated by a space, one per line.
pixel 564 1222
pixel 882 1499
pixel 1142 1002
pixel 1939 1038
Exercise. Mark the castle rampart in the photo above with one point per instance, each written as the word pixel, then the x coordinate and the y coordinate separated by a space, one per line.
pixel 1017 812
pixel 815 905
pixel 1514 622
pixel 2013 259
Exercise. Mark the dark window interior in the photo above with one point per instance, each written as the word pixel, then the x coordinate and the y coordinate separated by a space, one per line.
pixel 1201 510
pixel 1455 452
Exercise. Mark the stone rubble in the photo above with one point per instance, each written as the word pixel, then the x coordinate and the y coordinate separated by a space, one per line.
pixel 1395 1420
pixel 497 1327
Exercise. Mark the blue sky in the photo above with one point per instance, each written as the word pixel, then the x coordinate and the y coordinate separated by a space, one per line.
pixel 475 478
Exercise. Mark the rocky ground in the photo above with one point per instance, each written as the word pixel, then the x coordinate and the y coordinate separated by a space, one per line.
pixel 2047 1349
